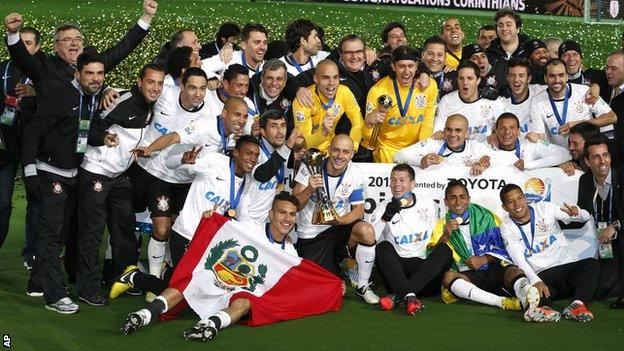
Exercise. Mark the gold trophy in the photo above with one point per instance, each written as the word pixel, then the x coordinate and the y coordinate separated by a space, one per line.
pixel 384 103
pixel 324 212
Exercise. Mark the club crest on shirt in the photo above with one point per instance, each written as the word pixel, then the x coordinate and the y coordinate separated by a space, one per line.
pixel 467 161
pixel 300 116
pixel 486 111
pixel 447 85
pixel 97 185
pixel 423 214
pixel 542 226
pixel 491 80
pixel 189 129
pixel 579 106
pixel 57 188
pixel 285 103
pixel 336 109
pixel 420 101
pixel 163 203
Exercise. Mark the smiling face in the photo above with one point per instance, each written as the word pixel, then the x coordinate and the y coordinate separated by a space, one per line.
pixel 598 159
pixel 615 70
pixel 434 57
pixel 352 55
pixel 275 132
pixel 576 144
pixel 539 57
pixel 283 217
pixel 515 203
pixel 506 29
pixel 151 85
pixel 238 86
pixel 405 71
pixel 235 118
pixel 30 42
pixel 91 77
pixel 400 183
pixel 507 132
pixel 556 78
pixel 485 37
pixel 273 82
pixel 326 78
pixel 518 79
pixel 457 200
pixel 468 83
pixel 255 47
pixel 572 60
pixel 193 92
pixel 455 131
pixel 246 158
pixel 452 33
pixel 68 45
pixel 340 153
pixel 396 38
pixel 481 60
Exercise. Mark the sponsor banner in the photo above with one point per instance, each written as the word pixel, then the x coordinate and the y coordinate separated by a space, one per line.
pixel 544 7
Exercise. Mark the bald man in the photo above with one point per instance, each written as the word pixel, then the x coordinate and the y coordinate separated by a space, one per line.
pixel 454 149
pixel 330 101
pixel 348 235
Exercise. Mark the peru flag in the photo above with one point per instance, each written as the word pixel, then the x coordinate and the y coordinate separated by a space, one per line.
pixel 227 260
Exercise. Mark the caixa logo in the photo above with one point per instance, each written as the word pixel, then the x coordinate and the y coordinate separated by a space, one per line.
pixel 481 183
pixel 536 190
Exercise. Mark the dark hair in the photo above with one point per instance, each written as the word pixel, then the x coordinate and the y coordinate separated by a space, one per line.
pixel 64 27
pixel 178 59
pixel 404 167
pixel 519 62
pixel 226 30
pixel 486 27
pixel 285 196
pixel 452 184
pixel 508 11
pixel 32 31
pixel 390 26
pixel 273 65
pixel 598 140
pixel 508 115
pixel 468 64
pixel 246 139
pixel 349 37
pixel 508 188
pixel 434 39
pixel 178 36
pixel 297 29
pixel 275 50
pixel 89 55
pixel 273 115
pixel 193 72
pixel 252 27
pixel 586 130
pixel 553 62
pixel 234 70
pixel 153 67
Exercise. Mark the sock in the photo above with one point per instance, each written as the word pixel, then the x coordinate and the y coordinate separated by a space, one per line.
pixel 221 319
pixel 365 257
pixel 468 291
pixel 155 255
pixel 156 307
pixel 521 286
pixel 148 315
pixel 409 295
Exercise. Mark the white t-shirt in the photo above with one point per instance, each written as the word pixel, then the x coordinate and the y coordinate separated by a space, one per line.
pixel 540 155
pixel 293 67
pixel 481 114
pixel 471 153
pixel 549 246
pixel 350 191
pixel 210 187
pixel 522 109
pixel 409 231
pixel 544 121
pixel 213 64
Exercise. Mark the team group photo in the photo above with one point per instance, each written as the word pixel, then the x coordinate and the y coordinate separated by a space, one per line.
pixel 311 174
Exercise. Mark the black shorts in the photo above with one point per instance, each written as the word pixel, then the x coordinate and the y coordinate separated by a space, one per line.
pixel 491 280
pixel 140 181
pixel 166 199
pixel 329 247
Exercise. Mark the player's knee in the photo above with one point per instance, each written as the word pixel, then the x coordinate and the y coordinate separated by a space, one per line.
pixel 365 234
pixel 242 304
pixel 448 277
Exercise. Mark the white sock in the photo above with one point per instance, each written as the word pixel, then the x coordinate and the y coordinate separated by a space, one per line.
pixel 147 315
pixel 521 287
pixel 155 255
pixel 468 291
pixel 365 257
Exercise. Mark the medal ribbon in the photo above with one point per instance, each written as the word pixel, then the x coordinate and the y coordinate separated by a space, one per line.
pixel 235 200
pixel 269 234
pixel 524 237
pixel 326 179
pixel 560 118
pixel 403 108
pixel 281 171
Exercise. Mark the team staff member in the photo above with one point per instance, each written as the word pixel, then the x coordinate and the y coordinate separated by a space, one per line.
pixel 267 88
pixel 404 229
pixel 54 144
pixel 410 119
pixel 510 42
pixel 433 56
pixel 331 99
pixel 105 189
pixel 17 106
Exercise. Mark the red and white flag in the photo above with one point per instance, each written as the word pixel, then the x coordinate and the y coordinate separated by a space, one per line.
pixel 228 259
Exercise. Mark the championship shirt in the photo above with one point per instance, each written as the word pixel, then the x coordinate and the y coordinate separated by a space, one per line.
pixel 522 108
pixel 470 153
pixel 183 119
pixel 481 114
pixel 409 120
pixel 453 60
pixel 546 119
pixel 539 155
pixel 344 191
pixel 293 67
pixel 409 231
pixel 212 186
pixel 215 104
pixel 258 201
pixel 213 65
pixel 541 242
pixel 310 120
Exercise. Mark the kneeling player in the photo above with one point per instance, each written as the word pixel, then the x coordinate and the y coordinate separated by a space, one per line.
pixel 536 243
pixel 322 296
pixel 405 226
pixel 483 272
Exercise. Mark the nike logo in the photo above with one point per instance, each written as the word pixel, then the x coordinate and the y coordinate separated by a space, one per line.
pixel 397 221
pixel 75 108
pixel 131 118
pixel 220 179
pixel 369 261
pixel 157 257
pixel 550 115
pixel 343 79
pixel 163 113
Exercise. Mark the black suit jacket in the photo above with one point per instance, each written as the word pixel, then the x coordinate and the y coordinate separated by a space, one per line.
pixel 587 189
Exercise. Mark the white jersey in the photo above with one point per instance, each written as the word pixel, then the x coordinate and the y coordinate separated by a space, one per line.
pixel 259 199
pixel 539 155
pixel 294 68
pixel 547 245
pixel 409 231
pixel 481 114
pixel 213 65
pixel 182 118
pixel 544 120
pixel 215 105
pixel 471 153
pixel 210 188
pixel 522 108
pixel 344 191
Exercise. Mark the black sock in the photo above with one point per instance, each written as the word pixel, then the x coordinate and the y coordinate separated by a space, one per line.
pixel 156 307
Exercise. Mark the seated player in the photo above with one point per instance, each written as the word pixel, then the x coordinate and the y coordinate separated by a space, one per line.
pixel 536 243
pixel 403 228
pixel 481 271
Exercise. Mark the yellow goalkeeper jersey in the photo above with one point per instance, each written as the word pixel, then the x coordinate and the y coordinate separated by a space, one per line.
pixel 399 130
pixel 310 120
pixel 451 61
